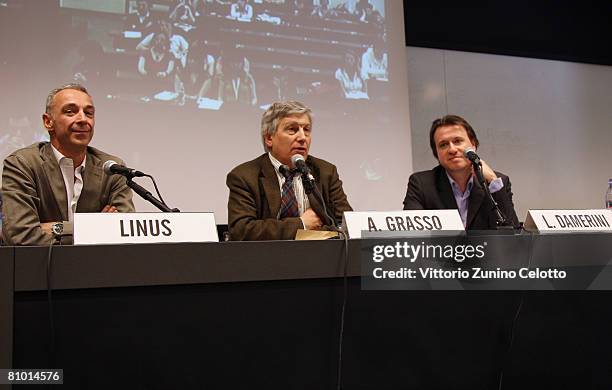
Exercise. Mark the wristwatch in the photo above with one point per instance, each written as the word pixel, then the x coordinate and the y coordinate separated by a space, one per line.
pixel 57 229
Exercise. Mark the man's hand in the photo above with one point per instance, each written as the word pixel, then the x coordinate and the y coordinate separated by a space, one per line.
pixel 109 209
pixel 311 220
pixel 46 227
pixel 487 172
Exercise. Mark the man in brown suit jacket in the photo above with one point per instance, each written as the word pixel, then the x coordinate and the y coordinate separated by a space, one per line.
pixel 36 205
pixel 256 187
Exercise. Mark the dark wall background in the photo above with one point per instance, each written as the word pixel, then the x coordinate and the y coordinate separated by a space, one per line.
pixel 580 33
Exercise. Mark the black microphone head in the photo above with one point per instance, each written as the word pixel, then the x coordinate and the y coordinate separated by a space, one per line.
pixel 297 159
pixel 470 153
pixel 107 166
pixel 283 169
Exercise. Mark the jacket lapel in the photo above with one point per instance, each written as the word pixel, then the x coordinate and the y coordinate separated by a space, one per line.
pixel 269 182
pixel 475 202
pixel 55 180
pixel 444 189
pixel 314 203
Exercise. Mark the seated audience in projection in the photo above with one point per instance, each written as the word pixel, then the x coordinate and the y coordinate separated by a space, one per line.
pixel 301 8
pixel 156 63
pixel 231 83
pixel 290 49
pixel 240 87
pixel 362 9
pixel 268 198
pixel 283 80
pixel 198 7
pixel 178 45
pixel 163 51
pixel 321 8
pixel 214 79
pixel 241 11
pixel 91 69
pixel 349 76
pixel 453 185
pixel 374 61
pixel 199 68
pixel 183 16
pixel 141 19
pixel 229 80
pixel 44 184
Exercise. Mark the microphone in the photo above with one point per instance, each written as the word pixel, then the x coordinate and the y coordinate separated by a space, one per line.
pixel 113 168
pixel 501 220
pixel 300 164
pixel 283 169
pixel 470 154
pixel 309 185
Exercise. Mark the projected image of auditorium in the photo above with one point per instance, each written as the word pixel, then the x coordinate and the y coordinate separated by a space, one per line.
pixel 211 54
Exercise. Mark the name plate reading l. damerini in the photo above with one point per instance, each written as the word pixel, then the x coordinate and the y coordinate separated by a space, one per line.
pixel 568 221
pixel 142 228
pixel 417 221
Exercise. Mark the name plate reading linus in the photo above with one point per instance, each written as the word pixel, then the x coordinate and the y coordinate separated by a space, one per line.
pixel 401 221
pixel 142 228
pixel 567 221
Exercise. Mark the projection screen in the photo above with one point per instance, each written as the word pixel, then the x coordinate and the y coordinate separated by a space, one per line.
pixel 180 86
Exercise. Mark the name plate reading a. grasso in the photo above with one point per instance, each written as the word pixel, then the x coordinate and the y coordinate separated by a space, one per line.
pixel 401 221
pixel 141 228
pixel 567 221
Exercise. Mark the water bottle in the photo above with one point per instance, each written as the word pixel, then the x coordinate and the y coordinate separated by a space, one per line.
pixel 609 195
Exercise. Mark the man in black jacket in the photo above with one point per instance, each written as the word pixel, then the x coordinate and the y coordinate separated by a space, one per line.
pixel 453 185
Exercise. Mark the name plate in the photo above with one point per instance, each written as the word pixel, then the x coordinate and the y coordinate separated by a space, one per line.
pixel 141 228
pixel 567 221
pixel 401 221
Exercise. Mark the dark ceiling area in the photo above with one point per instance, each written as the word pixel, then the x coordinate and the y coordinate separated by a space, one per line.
pixel 579 34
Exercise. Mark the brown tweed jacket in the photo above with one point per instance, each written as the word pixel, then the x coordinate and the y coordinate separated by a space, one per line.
pixel 254 199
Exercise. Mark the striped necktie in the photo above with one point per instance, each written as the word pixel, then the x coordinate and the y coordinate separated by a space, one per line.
pixel 289 205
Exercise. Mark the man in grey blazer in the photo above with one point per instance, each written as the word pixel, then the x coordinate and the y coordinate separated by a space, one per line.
pixel 267 200
pixel 43 185
pixel 452 185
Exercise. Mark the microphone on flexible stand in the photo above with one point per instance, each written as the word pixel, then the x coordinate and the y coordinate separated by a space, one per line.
pixel 310 186
pixel 470 154
pixel 501 220
pixel 113 168
pixel 300 164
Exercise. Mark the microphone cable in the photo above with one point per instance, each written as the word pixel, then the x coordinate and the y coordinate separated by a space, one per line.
pixel 344 237
pixel 157 190
pixel 310 184
pixel 52 351
pixel 516 315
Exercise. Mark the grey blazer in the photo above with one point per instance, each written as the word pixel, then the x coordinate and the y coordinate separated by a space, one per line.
pixel 33 192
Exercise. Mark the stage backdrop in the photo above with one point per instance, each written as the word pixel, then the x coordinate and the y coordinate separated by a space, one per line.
pixel 545 123
pixel 180 88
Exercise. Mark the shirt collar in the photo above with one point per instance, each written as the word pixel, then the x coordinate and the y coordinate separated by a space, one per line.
pixel 60 157
pixel 455 186
pixel 275 163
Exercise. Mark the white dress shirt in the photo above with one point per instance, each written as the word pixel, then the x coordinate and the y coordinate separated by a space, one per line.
pixel 73 180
